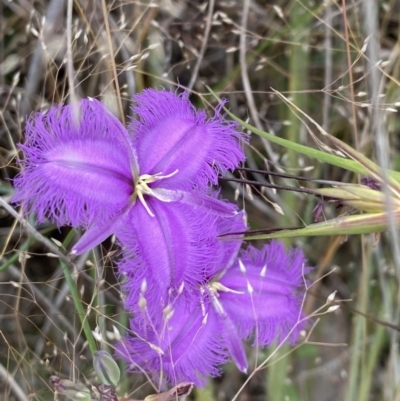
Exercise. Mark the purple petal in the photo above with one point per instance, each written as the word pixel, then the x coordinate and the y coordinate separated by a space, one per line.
pixel 266 291
pixel 228 248
pixel 171 135
pixel 165 250
pixel 75 172
pixel 186 347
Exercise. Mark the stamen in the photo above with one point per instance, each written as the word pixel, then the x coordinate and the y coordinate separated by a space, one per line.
pixel 203 308
pixel 217 305
pixel 143 202
pixel 142 188
pixel 159 176
pixel 220 287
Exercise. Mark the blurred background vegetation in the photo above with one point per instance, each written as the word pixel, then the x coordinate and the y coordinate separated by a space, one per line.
pixel 319 54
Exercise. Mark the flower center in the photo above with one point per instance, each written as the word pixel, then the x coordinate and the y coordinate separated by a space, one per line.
pixel 142 188
pixel 212 289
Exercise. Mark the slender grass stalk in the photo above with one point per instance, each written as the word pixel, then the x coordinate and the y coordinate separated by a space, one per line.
pixel 299 61
pixel 298 71
pixel 359 331
pixel 383 146
pixel 76 299
pixel 377 342
pixel 298 66
pixel 112 61
pixel 123 386
pixel 276 375
pixel 16 255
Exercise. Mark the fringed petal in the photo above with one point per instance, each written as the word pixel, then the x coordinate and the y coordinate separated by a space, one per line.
pixel 181 345
pixel 172 135
pixel 166 251
pixel 75 172
pixel 266 291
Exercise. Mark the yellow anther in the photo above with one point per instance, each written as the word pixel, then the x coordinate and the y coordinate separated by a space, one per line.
pixel 142 188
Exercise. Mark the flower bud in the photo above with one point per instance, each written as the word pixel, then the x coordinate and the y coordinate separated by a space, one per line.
pixel 73 391
pixel 106 368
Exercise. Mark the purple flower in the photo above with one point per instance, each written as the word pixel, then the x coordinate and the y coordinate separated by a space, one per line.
pixel 92 173
pixel 257 295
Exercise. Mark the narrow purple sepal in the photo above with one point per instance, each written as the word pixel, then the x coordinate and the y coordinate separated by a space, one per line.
pixel 100 230
pixel 170 134
pixel 234 343
pixel 75 172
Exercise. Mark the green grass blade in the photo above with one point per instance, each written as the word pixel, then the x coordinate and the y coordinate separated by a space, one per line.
pixel 347 225
pixel 76 299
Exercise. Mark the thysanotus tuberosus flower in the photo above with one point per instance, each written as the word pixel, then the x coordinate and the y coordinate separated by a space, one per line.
pixel 94 173
pixel 256 295
pixel 194 253
pixel 260 295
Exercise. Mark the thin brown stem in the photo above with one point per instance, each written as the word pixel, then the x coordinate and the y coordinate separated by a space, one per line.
pixel 351 80
pixel 112 61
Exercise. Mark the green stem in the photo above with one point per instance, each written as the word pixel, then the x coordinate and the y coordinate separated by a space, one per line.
pixel 359 333
pixel 276 375
pixel 374 353
pixel 77 301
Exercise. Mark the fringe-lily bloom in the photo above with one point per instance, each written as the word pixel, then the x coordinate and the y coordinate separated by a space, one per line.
pixel 257 295
pixel 86 170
